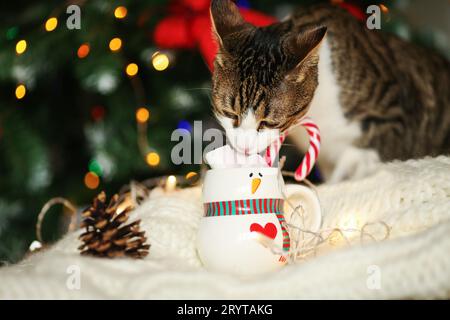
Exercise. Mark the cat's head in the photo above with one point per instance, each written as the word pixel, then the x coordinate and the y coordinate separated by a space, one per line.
pixel 264 78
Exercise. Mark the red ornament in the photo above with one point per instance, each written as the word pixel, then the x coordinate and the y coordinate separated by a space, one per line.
pixel 354 10
pixel 196 5
pixel 173 32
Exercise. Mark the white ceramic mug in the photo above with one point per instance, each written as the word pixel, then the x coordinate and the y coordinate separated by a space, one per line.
pixel 243 213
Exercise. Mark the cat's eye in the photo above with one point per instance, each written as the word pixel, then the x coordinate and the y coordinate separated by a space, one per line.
pixel 229 114
pixel 233 116
pixel 265 125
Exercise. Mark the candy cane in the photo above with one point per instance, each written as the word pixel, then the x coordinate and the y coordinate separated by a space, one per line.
pixel 310 158
pixel 273 149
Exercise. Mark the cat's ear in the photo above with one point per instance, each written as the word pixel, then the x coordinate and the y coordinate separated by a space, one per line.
pixel 301 47
pixel 226 19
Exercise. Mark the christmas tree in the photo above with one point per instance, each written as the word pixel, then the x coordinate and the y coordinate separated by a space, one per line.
pixel 91 92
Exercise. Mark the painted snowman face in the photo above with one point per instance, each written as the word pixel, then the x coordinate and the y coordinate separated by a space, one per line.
pixel 256 181
pixel 242 183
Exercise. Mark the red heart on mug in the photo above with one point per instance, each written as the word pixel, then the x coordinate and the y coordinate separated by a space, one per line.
pixel 269 230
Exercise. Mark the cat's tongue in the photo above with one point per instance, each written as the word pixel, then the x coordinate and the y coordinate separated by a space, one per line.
pixel 227 157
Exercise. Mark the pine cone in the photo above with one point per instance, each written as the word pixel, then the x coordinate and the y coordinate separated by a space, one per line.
pixel 107 235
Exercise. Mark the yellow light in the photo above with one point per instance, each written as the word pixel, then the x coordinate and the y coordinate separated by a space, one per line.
pixel 152 159
pixel 83 51
pixel 350 225
pixel 91 180
pixel 142 115
pixel 51 24
pixel 120 12
pixel 21 90
pixel 171 183
pixel 336 237
pixel 384 9
pixel 191 175
pixel 21 46
pixel 132 69
pixel 115 44
pixel 160 61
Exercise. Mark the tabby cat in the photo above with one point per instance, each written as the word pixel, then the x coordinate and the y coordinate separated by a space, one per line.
pixel 375 97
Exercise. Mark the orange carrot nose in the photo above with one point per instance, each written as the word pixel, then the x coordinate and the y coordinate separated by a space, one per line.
pixel 255 184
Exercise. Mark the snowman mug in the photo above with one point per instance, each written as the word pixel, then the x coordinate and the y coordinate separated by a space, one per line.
pixel 243 208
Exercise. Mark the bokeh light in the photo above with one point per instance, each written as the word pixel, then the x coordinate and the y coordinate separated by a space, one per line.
pixel 98 113
pixel 21 90
pixel 12 32
pixel 83 51
pixel 160 61
pixel 115 44
pixel 95 167
pixel 120 12
pixel 21 46
pixel 142 115
pixel 152 159
pixel 51 24
pixel 132 69
pixel 91 180
pixel 171 183
pixel 191 174
pixel 184 124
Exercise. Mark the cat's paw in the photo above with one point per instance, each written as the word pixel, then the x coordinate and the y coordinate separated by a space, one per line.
pixel 355 163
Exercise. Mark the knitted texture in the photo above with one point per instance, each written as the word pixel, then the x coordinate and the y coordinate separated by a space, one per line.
pixel 412 197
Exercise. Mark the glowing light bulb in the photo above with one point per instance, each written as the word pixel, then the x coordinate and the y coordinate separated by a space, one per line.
pixel 83 50
pixel 160 61
pixel 132 69
pixel 142 115
pixel 152 159
pixel 115 44
pixel 51 24
pixel 171 183
pixel 120 12
pixel 21 90
pixel 91 180
pixel 350 224
pixel 21 46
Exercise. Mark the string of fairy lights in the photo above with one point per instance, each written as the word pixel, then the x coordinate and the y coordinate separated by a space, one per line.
pixel 160 61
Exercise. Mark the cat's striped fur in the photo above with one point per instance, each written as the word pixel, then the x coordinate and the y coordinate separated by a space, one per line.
pixel 392 96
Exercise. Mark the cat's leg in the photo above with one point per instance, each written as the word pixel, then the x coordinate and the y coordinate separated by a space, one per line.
pixel 354 163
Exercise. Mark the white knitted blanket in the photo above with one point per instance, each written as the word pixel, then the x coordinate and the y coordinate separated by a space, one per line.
pixel 412 197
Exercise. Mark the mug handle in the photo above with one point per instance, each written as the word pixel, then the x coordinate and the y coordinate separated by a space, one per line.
pixel 310 202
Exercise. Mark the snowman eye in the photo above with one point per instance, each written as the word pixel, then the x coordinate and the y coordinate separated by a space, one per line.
pixel 250 175
pixel 260 174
